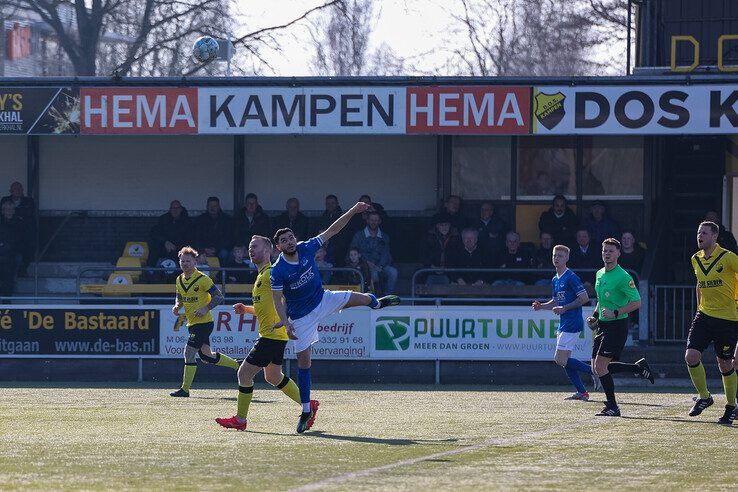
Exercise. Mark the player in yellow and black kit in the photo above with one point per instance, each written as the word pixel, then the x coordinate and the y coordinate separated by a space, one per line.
pixel 268 350
pixel 198 295
pixel 716 320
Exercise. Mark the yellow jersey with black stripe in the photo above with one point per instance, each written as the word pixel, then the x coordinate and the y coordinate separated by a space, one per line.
pixel 716 280
pixel 194 294
pixel 266 313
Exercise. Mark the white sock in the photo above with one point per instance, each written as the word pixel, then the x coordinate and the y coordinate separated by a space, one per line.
pixel 306 407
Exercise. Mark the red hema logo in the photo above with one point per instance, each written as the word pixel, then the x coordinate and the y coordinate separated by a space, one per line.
pixel 119 110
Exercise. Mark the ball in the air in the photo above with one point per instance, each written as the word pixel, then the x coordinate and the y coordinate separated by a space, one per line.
pixel 205 49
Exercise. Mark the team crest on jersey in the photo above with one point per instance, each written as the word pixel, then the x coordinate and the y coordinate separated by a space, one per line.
pixel 197 289
pixel 719 268
pixel 258 284
pixel 607 294
pixel 632 284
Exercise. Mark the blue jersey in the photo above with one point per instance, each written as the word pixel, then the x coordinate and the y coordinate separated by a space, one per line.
pixel 566 288
pixel 299 282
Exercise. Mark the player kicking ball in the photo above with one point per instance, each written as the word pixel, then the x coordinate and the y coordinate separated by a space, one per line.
pixel 268 350
pixel 302 302
pixel 569 295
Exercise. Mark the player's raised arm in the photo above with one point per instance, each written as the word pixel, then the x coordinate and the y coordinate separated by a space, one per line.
pixel 341 222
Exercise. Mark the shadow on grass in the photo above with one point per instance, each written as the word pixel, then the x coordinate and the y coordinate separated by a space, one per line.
pixel 628 404
pixel 677 419
pixel 367 440
pixel 228 398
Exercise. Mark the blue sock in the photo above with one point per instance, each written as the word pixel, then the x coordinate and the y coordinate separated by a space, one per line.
pixel 579 365
pixel 303 382
pixel 374 303
pixel 573 375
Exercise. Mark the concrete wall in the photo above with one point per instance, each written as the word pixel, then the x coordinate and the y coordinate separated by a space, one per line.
pixel 134 173
pixel 13 165
pixel 397 171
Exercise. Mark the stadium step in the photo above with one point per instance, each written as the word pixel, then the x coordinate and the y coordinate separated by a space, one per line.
pixel 51 269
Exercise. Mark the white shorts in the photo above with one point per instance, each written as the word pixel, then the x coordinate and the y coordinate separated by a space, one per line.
pixel 306 328
pixel 566 341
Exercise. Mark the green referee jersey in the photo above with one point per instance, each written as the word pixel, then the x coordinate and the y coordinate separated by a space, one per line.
pixel 615 289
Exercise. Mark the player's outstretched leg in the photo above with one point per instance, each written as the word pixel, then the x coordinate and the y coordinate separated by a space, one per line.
pixel 361 299
pixel 640 368
pixel 207 355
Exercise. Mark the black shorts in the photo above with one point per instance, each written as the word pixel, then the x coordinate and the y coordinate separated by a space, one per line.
pixel 706 329
pixel 267 351
pixel 610 338
pixel 200 334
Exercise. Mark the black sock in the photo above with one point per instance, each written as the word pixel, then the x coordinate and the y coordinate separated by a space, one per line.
pixel 608 386
pixel 616 367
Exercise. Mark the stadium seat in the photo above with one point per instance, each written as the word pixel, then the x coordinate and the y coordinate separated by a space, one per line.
pixel 213 267
pixel 120 278
pixel 137 249
pixel 130 262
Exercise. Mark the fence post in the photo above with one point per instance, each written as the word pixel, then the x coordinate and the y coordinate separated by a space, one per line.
pixel 438 371
pixel 644 314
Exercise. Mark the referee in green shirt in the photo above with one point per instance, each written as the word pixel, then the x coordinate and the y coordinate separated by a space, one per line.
pixel 617 296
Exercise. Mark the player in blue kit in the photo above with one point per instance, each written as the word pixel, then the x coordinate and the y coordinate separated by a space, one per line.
pixel 302 303
pixel 569 295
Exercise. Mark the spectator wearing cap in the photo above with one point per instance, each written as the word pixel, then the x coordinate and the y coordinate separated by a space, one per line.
pixel 251 221
pixel 438 244
pixel 725 237
pixel 560 221
pixel 294 219
pixel 452 211
pixel 490 229
pixel 599 224
pixel 213 231
pixel 632 254
pixel 469 255
pixel 172 231
pixel 374 246
pixel 25 217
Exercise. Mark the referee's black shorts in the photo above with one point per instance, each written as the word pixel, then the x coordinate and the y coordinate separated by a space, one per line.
pixel 610 338
pixel 705 329
pixel 266 351
pixel 200 334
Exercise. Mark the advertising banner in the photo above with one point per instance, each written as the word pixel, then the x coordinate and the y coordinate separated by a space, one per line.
pixel 74 331
pixel 469 333
pixel 39 110
pixel 477 110
pixel 635 110
pixel 344 335
pixel 138 110
pixel 312 110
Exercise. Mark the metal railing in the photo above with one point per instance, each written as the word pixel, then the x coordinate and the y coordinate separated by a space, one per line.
pixel 672 310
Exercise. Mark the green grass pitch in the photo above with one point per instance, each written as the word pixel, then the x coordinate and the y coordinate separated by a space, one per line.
pixel 367 437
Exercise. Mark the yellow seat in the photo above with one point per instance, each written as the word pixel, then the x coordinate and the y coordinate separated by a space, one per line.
pixel 137 249
pixel 213 268
pixel 120 278
pixel 129 262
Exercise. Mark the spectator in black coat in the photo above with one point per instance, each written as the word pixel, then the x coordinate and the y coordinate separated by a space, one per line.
pixel 172 232
pixel 585 256
pixel 239 260
pixel 491 229
pixel 631 253
pixel 543 254
pixel 470 255
pixel 251 221
pixel 213 231
pixel 560 221
pixel 725 237
pixel 355 261
pixel 25 212
pixel 452 211
pixel 339 242
pixel 10 236
pixel 599 224
pixel 294 219
pixel 513 257
pixel 438 244
pixel 25 207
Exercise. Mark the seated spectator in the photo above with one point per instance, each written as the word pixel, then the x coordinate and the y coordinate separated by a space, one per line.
pixel 725 237
pixel 374 246
pixel 560 221
pixel 585 255
pixel 513 257
pixel 339 242
pixel 323 265
pixel 294 219
pixel 213 231
pixel 438 244
pixel 491 229
pixel 631 253
pixel 355 261
pixel 599 224
pixel 172 232
pixel 25 212
pixel 9 251
pixel 239 260
pixel 251 220
pixel 452 211
pixel 543 254
pixel 470 255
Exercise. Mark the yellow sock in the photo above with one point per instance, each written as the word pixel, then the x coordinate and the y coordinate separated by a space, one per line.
pixel 290 389
pixel 699 379
pixel 189 375
pixel 730 383
pixel 224 360
pixel 244 400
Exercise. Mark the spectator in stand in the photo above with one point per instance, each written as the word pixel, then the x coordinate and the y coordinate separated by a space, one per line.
pixel 452 211
pixel 8 248
pixel 339 242
pixel 491 229
pixel 374 246
pixel 355 261
pixel 543 254
pixel 239 259
pixel 599 224
pixel 725 237
pixel 632 254
pixel 560 221
pixel 513 257
pixel 25 212
pixel 438 244
pixel 470 255
pixel 323 265
pixel 358 221
pixel 251 221
pixel 213 231
pixel 294 219
pixel 330 214
pixel 172 232
pixel 585 255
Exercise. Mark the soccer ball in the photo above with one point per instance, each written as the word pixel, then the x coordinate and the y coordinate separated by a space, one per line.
pixel 205 49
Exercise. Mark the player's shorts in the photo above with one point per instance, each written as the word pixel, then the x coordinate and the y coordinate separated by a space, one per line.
pixel 610 338
pixel 200 334
pixel 566 340
pixel 306 328
pixel 705 329
pixel 266 351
